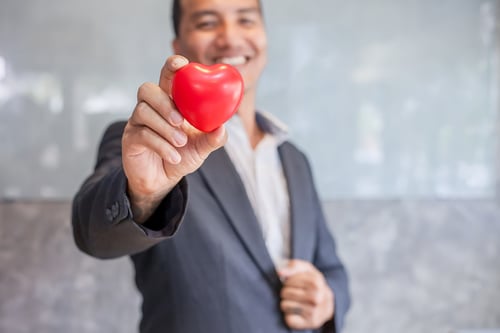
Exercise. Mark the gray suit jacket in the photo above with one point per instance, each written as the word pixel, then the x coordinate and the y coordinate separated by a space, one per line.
pixel 201 262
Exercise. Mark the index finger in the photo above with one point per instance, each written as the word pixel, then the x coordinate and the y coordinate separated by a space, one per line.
pixel 295 266
pixel 172 65
pixel 304 280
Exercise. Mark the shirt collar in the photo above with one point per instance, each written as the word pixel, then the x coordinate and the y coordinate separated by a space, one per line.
pixel 267 122
pixel 272 125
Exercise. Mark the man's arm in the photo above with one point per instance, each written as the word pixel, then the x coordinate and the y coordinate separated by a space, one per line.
pixel 328 262
pixel 103 223
pixel 137 194
pixel 326 259
pixel 315 294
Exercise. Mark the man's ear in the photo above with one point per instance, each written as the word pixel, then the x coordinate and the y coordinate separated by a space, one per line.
pixel 175 46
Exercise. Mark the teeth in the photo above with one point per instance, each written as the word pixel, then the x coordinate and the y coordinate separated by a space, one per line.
pixel 233 61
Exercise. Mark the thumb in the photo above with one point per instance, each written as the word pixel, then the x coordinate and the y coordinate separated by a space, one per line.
pixel 217 138
pixel 172 65
pixel 293 267
pixel 205 143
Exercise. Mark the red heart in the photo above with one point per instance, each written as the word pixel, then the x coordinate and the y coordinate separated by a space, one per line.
pixel 207 96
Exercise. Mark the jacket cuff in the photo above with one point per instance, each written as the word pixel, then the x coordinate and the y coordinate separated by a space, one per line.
pixel 168 216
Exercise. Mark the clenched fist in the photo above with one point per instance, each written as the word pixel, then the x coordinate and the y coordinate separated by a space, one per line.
pixel 306 299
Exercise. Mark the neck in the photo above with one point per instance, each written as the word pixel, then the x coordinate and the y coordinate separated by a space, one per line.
pixel 247 115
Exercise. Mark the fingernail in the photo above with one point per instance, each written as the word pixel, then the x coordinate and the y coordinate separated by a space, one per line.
pixel 176 118
pixel 180 138
pixel 175 158
pixel 178 61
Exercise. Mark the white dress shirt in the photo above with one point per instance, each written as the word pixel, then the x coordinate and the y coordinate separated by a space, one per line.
pixel 262 174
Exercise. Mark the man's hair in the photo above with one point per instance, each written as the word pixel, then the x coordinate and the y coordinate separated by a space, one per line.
pixel 176 16
pixel 177 13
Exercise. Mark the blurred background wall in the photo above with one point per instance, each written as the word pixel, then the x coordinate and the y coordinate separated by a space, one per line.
pixel 395 102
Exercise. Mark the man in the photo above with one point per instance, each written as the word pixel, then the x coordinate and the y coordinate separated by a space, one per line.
pixel 224 236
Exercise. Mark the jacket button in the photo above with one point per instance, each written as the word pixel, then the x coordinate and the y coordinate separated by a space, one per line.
pixel 109 214
pixel 115 210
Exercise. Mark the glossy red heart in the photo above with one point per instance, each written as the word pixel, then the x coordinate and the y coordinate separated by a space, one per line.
pixel 207 96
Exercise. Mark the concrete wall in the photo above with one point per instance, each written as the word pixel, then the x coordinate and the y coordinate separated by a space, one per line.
pixel 415 266
pixel 398 98
pixel 407 91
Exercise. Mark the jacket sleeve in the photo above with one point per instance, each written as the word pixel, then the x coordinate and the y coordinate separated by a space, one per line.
pixel 102 220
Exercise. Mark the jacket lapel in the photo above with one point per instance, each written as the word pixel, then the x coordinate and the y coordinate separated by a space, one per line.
pixel 302 228
pixel 226 185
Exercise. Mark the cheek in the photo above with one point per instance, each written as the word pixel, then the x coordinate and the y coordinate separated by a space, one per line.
pixel 195 49
pixel 262 56
pixel 261 41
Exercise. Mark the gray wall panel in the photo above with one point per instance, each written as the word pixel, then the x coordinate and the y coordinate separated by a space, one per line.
pixel 389 98
pixel 415 266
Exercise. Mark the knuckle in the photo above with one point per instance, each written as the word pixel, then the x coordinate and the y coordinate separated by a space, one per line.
pixel 143 90
pixel 316 298
pixel 142 137
pixel 293 321
pixel 140 110
pixel 307 315
pixel 128 129
pixel 290 321
pixel 142 133
pixel 316 320
pixel 142 184
pixel 312 285
pixel 127 137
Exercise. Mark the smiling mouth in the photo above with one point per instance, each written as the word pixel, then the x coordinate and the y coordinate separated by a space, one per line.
pixel 233 61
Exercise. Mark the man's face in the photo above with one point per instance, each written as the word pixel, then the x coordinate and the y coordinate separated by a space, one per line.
pixel 224 31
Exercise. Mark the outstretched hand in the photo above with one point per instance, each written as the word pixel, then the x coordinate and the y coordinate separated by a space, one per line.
pixel 158 146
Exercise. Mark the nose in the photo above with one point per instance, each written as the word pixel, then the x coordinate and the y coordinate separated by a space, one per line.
pixel 229 35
